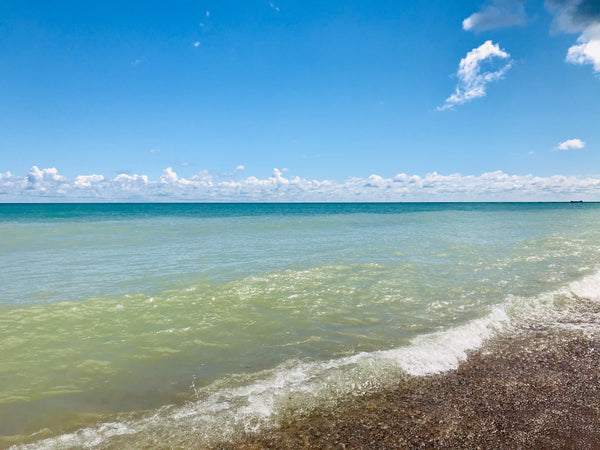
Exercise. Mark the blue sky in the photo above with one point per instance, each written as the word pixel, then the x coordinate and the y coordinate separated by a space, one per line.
pixel 202 100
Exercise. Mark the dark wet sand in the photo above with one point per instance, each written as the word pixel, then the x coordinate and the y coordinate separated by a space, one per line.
pixel 540 389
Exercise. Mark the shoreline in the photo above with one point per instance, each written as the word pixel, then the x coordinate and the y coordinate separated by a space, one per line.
pixel 538 389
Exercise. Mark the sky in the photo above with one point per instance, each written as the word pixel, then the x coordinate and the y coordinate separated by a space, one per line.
pixel 299 100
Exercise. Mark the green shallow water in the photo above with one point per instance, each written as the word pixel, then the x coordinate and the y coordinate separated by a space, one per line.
pixel 119 309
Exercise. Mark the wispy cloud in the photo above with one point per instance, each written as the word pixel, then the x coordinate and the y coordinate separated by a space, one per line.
pixel 49 185
pixel 238 169
pixel 570 144
pixel 472 79
pixel 574 15
pixel 155 150
pixel 272 5
pixel 197 44
pixel 497 14
pixel 583 17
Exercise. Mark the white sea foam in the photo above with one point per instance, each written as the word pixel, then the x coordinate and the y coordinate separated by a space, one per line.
pixel 439 352
pixel 252 402
pixel 589 287
pixel 562 308
pixel 258 400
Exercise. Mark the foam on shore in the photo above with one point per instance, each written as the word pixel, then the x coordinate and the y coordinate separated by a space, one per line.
pixel 250 403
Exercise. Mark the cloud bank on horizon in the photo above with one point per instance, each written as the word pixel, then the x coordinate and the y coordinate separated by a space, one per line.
pixel 47 185
pixel 329 90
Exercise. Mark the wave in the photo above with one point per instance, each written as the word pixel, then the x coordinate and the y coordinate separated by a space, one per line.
pixel 247 403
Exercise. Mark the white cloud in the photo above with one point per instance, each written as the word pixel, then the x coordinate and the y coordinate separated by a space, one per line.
pixel 168 176
pixel 83 181
pixel 43 179
pixel 272 5
pixel 130 180
pixel 472 80
pixel 202 178
pixel 587 52
pixel 570 144
pixel 498 14
pixel 239 168
pixel 197 44
pixel 155 150
pixel 47 185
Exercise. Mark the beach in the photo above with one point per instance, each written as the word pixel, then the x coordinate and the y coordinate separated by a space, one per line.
pixel 538 390
pixel 299 225
pixel 299 325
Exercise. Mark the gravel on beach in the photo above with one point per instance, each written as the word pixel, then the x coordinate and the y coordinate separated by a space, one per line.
pixel 539 389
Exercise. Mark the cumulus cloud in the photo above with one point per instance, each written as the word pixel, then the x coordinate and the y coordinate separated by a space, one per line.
pixel 472 78
pixel 587 52
pixel 43 179
pixel 570 144
pixel 168 176
pixel 583 17
pixel 47 185
pixel 84 181
pixel 497 14
pixel 126 178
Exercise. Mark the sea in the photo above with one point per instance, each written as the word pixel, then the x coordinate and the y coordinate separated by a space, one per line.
pixel 184 325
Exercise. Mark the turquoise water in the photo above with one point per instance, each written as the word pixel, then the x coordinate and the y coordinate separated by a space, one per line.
pixel 152 324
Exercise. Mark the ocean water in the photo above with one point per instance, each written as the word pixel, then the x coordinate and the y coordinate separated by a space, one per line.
pixel 164 325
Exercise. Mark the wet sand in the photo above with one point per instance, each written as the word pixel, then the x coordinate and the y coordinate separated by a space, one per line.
pixel 539 389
